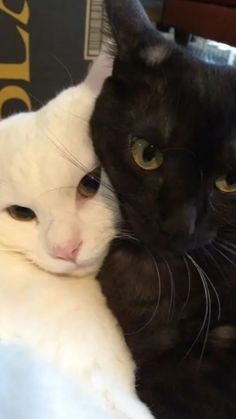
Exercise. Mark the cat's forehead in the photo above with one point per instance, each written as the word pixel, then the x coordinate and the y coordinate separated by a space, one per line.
pixel 172 103
pixel 46 149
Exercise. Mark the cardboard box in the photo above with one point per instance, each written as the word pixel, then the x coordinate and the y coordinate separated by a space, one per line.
pixel 45 47
pixel 41 50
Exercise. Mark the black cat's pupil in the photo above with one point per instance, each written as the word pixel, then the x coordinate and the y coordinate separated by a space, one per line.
pixel 231 179
pixel 149 153
pixel 91 182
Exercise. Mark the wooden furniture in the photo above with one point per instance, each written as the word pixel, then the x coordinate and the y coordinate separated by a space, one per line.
pixel 211 19
pixel 153 8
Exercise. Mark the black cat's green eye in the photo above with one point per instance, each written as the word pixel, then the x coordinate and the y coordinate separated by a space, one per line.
pixel 21 213
pixel 146 155
pixel 225 185
pixel 90 183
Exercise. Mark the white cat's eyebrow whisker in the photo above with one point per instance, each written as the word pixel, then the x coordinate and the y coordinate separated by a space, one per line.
pixel 67 154
pixel 59 188
pixel 72 159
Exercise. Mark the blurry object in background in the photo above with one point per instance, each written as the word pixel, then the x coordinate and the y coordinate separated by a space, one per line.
pixel 214 52
pixel 207 50
pixel 41 50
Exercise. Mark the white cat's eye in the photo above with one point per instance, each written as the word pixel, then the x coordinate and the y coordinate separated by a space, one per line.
pixel 146 155
pixel 90 183
pixel 21 213
pixel 225 186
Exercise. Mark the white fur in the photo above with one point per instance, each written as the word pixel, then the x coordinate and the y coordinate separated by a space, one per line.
pixel 62 354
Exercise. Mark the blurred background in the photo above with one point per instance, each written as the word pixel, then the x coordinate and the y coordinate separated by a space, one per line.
pixel 47 45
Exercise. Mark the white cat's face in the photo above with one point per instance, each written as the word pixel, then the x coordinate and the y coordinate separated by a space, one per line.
pixel 43 158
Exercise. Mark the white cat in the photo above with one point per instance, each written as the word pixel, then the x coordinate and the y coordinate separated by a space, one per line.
pixel 61 353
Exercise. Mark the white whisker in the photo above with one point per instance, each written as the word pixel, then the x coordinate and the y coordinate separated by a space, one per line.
pixel 208 253
pixel 172 289
pixel 158 300
pixel 223 255
pixel 189 284
pixel 207 316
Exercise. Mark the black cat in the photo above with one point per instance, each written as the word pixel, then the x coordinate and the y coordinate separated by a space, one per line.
pixel 164 128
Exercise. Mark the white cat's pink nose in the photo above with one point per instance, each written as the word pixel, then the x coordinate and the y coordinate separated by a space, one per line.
pixel 68 252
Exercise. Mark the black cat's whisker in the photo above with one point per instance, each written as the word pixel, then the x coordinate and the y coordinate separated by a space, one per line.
pixel 213 288
pixel 226 247
pixel 128 232
pixel 172 289
pixel 189 284
pixel 124 233
pixel 207 315
pixel 223 254
pixel 219 211
pixel 207 279
pixel 227 243
pixel 217 265
pixel 213 207
pixel 126 236
pixel 216 210
pixel 158 300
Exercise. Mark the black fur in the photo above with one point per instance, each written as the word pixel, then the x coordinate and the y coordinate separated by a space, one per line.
pixel 179 322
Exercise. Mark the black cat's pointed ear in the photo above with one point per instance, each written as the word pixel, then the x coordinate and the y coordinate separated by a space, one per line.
pixel 133 31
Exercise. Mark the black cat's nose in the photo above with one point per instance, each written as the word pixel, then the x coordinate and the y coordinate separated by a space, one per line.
pixel 181 222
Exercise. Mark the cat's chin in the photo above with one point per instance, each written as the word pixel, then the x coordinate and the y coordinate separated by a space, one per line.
pixel 63 268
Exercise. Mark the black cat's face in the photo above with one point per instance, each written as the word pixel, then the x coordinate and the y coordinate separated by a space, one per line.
pixel 164 128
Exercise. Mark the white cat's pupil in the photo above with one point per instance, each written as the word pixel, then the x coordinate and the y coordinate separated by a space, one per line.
pixel 90 183
pixel 21 213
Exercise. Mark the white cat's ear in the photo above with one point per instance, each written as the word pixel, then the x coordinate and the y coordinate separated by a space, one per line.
pixel 100 70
